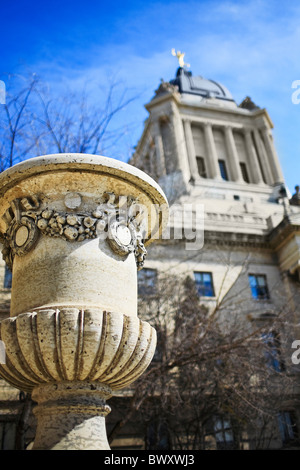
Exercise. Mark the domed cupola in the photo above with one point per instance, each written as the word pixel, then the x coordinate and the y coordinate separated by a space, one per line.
pixel 197 85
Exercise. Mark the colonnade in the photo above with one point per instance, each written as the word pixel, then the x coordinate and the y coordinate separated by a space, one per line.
pixel 262 159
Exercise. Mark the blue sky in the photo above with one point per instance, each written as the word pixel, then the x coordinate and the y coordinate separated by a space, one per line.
pixel 252 47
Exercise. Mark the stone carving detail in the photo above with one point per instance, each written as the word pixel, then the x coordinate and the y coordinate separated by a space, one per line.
pixel 295 199
pixel 115 219
pixel 166 87
pixel 22 233
pixel 247 103
pixel 68 226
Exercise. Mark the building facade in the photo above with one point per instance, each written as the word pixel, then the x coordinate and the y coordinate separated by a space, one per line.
pixel 234 228
pixel 207 151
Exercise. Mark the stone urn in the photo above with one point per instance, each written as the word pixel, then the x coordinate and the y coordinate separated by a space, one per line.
pixel 74 230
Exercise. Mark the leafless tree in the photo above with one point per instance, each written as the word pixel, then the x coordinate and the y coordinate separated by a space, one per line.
pixel 37 120
pixel 213 383
pixel 76 122
pixel 15 118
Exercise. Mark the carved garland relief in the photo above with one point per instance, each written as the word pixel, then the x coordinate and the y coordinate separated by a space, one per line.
pixel 113 220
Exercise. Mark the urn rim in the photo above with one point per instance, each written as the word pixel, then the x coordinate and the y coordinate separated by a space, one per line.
pixel 91 163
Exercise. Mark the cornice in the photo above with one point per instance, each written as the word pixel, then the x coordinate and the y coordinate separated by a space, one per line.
pixel 157 100
pixel 220 238
pixel 236 239
pixel 284 231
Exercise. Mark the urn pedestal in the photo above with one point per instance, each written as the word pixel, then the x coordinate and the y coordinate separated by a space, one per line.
pixel 74 230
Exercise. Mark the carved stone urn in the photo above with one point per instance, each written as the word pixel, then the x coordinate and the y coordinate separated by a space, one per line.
pixel 74 230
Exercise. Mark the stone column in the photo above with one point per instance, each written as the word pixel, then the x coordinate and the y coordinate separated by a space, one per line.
pixel 152 160
pixel 159 150
pixel 71 416
pixel 253 160
pixel 75 230
pixel 212 152
pixel 233 156
pixel 148 156
pixel 263 157
pixel 179 143
pixel 191 149
pixel 272 154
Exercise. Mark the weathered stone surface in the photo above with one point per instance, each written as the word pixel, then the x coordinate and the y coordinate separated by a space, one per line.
pixel 71 344
pixel 47 201
pixel 74 230
pixel 71 416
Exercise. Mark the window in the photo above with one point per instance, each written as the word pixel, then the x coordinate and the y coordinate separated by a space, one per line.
pixel 160 345
pixel 223 170
pixel 287 426
pixel 157 436
pixel 7 278
pixel 223 433
pixel 272 351
pixel 259 287
pixel 244 172
pixel 147 279
pixel 7 435
pixel 201 167
pixel 204 284
pixel 147 163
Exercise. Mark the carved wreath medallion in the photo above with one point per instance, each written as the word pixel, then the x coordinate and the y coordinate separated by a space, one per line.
pixel 112 220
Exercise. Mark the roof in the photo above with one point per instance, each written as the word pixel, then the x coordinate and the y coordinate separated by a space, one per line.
pixel 197 85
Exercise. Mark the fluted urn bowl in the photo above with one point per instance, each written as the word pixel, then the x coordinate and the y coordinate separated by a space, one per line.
pixel 50 346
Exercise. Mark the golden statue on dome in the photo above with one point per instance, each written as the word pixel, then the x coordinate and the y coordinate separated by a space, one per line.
pixel 180 55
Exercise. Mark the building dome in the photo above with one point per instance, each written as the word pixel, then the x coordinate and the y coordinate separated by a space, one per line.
pixel 199 86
